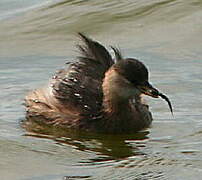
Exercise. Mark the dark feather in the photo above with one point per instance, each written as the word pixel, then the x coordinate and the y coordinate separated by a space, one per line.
pixel 93 50
pixel 117 52
pixel 80 84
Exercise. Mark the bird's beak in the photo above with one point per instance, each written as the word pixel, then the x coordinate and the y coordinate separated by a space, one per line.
pixel 149 90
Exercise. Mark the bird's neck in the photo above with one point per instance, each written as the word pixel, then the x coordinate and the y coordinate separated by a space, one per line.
pixel 117 94
pixel 120 114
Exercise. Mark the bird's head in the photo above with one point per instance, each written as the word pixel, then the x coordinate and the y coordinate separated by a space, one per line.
pixel 137 75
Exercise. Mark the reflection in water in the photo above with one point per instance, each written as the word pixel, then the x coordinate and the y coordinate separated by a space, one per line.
pixel 109 147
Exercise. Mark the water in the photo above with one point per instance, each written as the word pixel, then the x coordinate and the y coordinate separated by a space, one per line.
pixel 38 37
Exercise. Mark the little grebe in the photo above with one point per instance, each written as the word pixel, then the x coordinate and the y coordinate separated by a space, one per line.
pixel 96 94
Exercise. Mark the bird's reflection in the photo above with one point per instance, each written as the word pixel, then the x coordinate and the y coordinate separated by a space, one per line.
pixel 107 147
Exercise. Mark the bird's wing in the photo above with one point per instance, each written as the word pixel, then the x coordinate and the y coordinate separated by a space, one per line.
pixel 79 86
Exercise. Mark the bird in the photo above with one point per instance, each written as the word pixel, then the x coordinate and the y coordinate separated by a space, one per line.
pixel 95 93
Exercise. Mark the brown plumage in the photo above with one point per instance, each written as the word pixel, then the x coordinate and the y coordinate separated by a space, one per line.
pixel 95 93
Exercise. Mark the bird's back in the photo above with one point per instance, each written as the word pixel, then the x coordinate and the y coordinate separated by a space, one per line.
pixel 75 92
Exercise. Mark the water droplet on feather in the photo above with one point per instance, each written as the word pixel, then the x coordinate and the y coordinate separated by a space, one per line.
pixel 36 100
pixel 77 95
pixel 86 107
